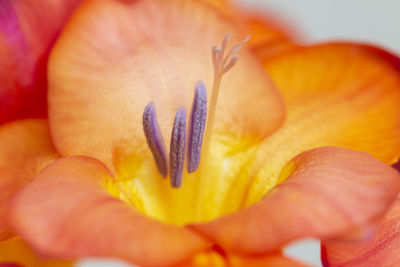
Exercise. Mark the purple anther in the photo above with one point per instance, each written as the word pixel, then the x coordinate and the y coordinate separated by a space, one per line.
pixel 155 139
pixel 177 148
pixel 196 126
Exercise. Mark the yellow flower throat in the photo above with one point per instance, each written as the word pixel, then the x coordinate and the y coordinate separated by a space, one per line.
pixel 214 181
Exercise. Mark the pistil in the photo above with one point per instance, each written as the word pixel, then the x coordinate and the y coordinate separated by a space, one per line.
pixel 221 64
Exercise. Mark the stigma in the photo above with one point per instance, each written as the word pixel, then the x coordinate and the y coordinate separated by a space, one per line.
pixel 200 124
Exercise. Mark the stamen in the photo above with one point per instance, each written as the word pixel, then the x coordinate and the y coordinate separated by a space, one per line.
pixel 197 124
pixel 177 148
pixel 198 121
pixel 154 138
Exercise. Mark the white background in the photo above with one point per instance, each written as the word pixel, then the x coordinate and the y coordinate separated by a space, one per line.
pixel 373 21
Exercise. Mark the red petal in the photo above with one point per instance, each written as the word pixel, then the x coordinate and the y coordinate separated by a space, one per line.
pixel 27 32
pixel 382 250
pixel 66 213
pixel 9 264
pixel 329 190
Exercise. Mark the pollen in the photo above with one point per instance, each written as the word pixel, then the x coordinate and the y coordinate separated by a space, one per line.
pixel 154 138
pixel 177 148
pixel 197 125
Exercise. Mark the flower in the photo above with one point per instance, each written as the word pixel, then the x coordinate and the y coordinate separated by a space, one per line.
pixel 270 175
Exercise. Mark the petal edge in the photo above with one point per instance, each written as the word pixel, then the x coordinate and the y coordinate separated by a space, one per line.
pixel 307 205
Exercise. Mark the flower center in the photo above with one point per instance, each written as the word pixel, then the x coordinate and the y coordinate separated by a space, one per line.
pixel 222 64
pixel 207 171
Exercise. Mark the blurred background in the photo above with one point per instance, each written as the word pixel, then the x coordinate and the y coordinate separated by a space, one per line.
pixel 372 21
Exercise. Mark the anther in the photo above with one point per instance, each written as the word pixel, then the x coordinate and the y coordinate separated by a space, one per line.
pixel 154 138
pixel 196 126
pixel 177 148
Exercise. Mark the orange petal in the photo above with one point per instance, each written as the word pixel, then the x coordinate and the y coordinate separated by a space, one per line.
pixel 207 258
pixel 381 250
pixel 328 191
pixel 15 251
pixel 344 95
pixel 212 258
pixel 25 148
pixel 143 51
pixel 274 260
pixel 65 213
pixel 27 31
